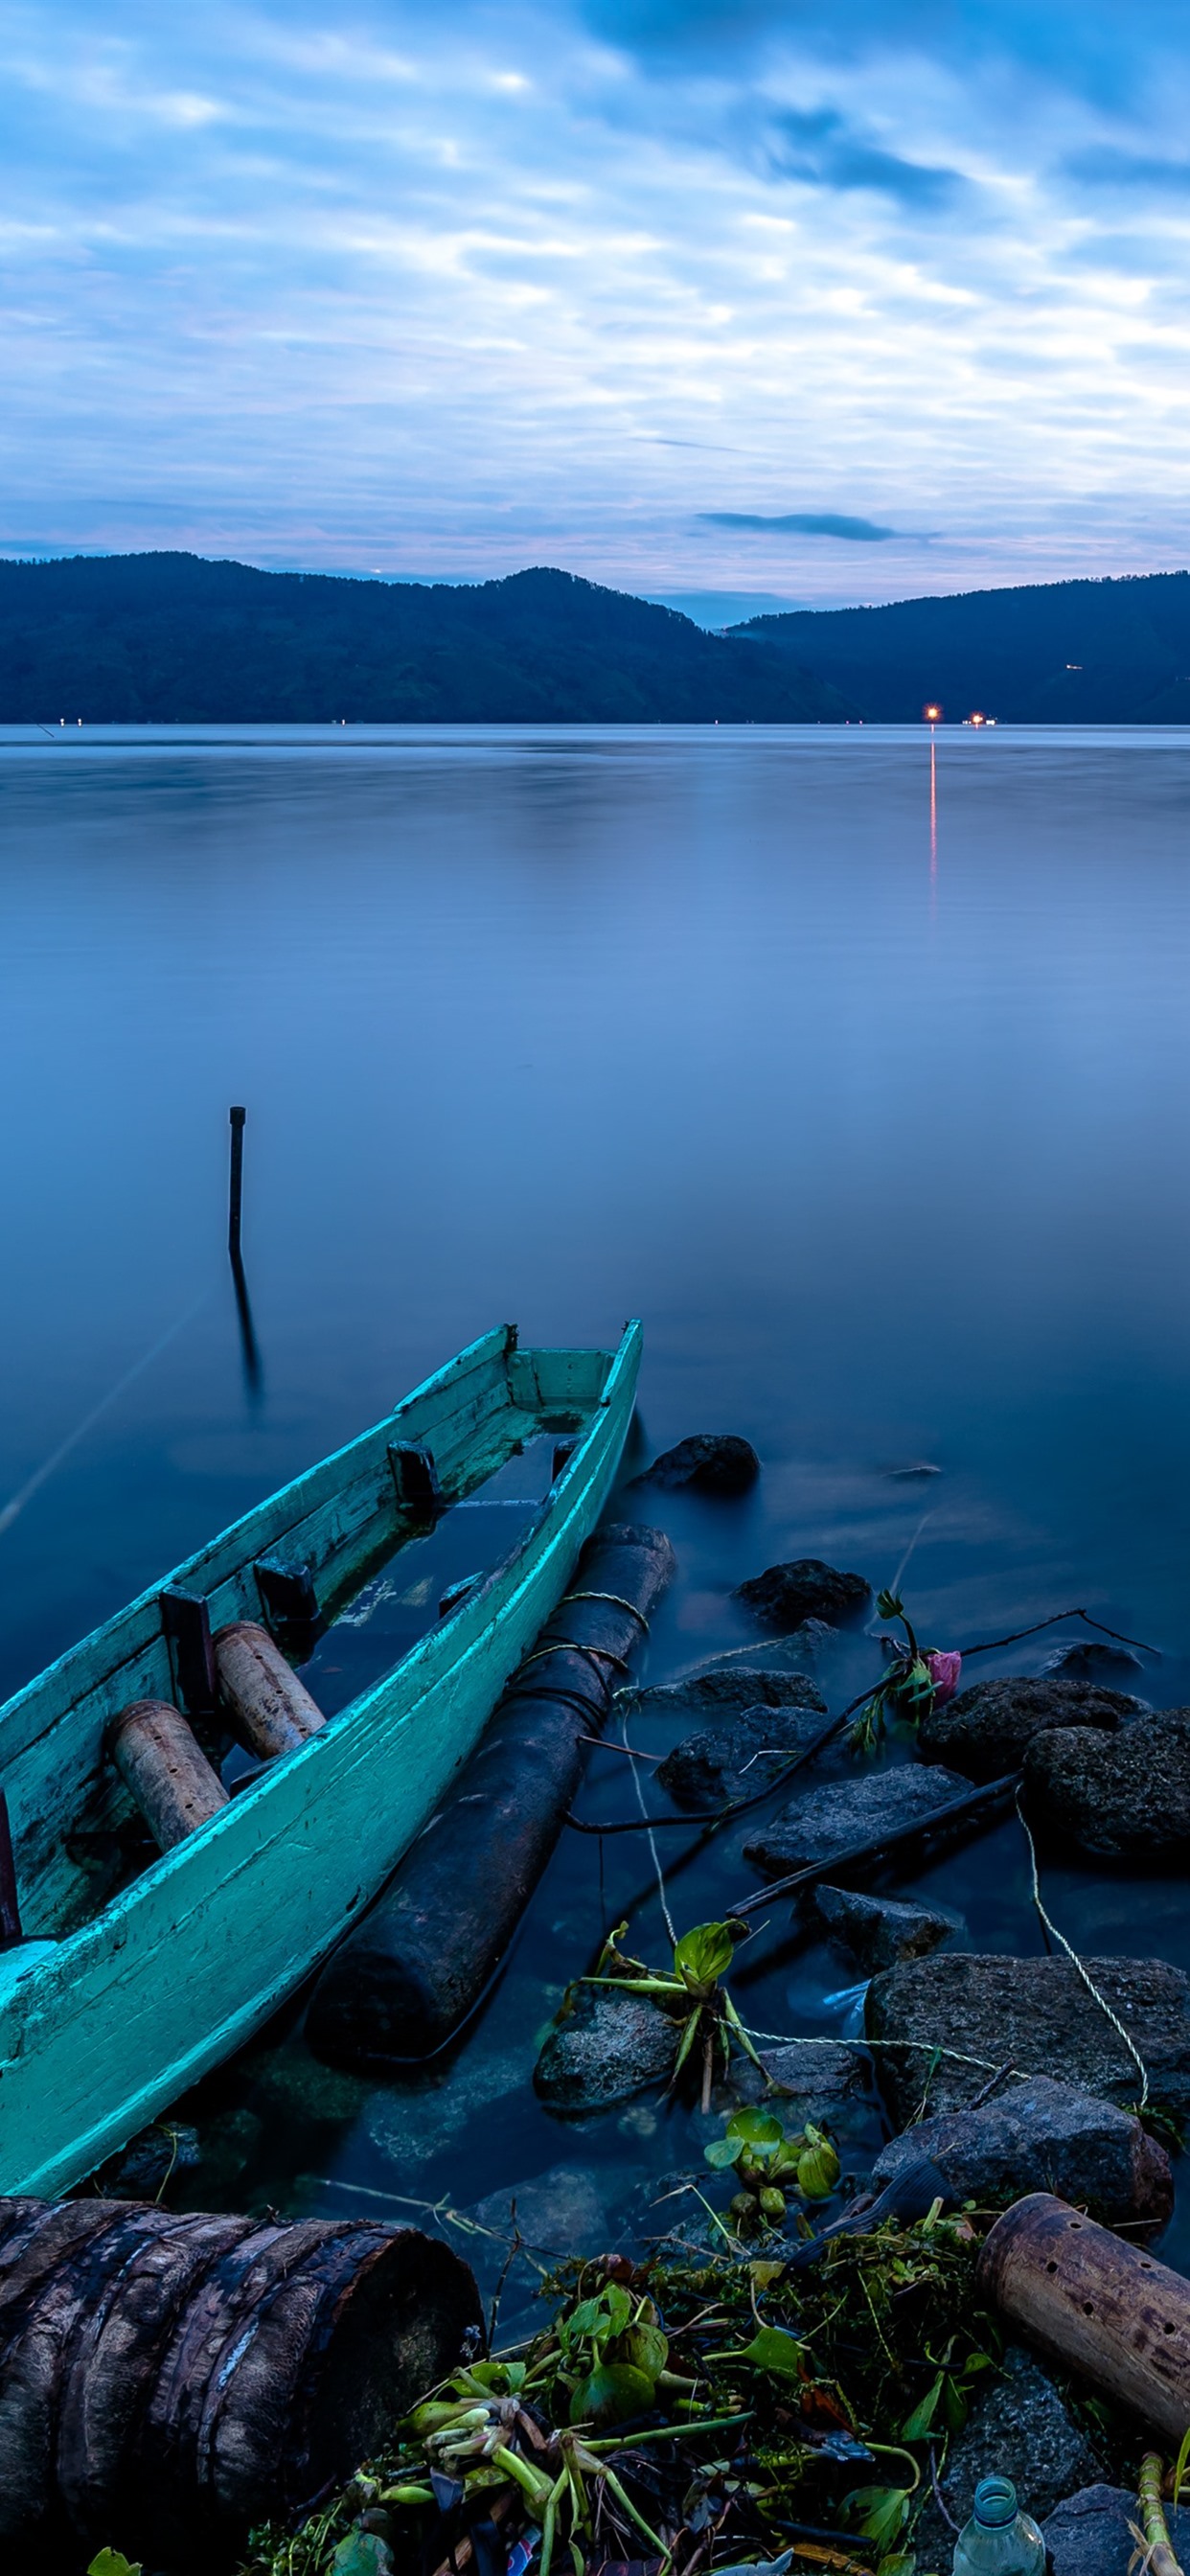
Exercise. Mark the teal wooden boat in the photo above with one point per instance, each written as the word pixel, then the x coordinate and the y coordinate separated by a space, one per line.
pixel 132 2003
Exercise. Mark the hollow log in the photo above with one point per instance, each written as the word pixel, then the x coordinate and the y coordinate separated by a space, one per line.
pixel 271 1710
pixel 168 2380
pixel 1100 2306
pixel 166 1769
pixel 409 1973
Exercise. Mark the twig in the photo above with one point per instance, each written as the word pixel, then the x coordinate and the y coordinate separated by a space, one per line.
pixel 956 1811
pixel 939 2499
pixel 986 2091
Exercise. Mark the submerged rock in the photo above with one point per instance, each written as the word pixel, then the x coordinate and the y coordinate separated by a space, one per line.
pixel 1117 1797
pixel 1021 2429
pixel 784 1595
pixel 828 1821
pixel 811 2079
pixel 987 1730
pixel 740 1757
pixel 1034 2014
pixel 605 2048
pixel 879 1931
pixel 1090 1659
pixel 713 1462
pixel 155 2157
pixel 1042 2136
pixel 722 1693
pixel 1088 2534
pixel 560 2212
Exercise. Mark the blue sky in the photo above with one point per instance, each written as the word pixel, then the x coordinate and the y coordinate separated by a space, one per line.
pixel 778 299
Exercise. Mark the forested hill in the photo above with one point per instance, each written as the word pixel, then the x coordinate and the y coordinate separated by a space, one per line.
pixel 172 638
pixel 1068 652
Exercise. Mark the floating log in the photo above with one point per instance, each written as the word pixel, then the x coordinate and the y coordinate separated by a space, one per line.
pixel 1095 2303
pixel 166 1769
pixel 166 2381
pixel 272 1711
pixel 408 1975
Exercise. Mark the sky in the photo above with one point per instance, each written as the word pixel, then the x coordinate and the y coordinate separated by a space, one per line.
pixel 782 300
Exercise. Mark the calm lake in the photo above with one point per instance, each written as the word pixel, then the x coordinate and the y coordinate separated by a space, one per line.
pixel 873 1102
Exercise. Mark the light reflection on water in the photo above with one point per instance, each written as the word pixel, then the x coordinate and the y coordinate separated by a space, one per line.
pixel 860 1072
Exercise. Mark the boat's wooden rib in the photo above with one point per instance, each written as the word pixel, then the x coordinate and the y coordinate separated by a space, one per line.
pixel 100 2033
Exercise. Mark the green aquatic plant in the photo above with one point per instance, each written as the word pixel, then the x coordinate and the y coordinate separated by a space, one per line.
pixel 915 1680
pixel 768 2164
pixel 692 1991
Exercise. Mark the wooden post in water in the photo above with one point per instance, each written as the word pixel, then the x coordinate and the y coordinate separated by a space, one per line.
pixel 237 1117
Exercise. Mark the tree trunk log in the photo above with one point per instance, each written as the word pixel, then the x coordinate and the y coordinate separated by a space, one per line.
pixel 408 1975
pixel 272 1710
pixel 166 1769
pixel 1102 2307
pixel 166 2381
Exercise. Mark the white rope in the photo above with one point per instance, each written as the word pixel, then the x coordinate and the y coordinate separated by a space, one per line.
pixel 16 1504
pixel 666 1916
pixel 1076 1962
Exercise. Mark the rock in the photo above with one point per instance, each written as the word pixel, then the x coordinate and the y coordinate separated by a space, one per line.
pixel 155 2157
pixel 722 1692
pixel 828 1821
pixel 1087 1659
pixel 1088 2534
pixel 1022 2429
pixel 741 1757
pixel 987 1729
pixel 1034 2013
pixel 1116 1797
pixel 1037 2135
pixel 604 2049
pixel 713 1462
pixel 784 1595
pixel 560 2212
pixel 879 1932
pixel 817 2079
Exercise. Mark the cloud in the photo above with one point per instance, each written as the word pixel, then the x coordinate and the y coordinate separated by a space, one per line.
pixel 1108 167
pixel 819 147
pixel 803 523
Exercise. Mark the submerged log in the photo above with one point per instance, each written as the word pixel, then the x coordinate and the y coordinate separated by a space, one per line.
pixel 1100 2306
pixel 272 1711
pixel 167 2380
pixel 166 1769
pixel 408 1975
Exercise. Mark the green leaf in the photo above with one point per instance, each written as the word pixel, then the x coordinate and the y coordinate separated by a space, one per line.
pixel 774 2350
pixel 363 2553
pixel 646 2348
pixel 703 1955
pixel 723 2152
pixel 918 2423
pixel 611 2393
pixel 757 2129
pixel 883 2510
pixel 890 1606
pixel 818 2166
pixel 110 2562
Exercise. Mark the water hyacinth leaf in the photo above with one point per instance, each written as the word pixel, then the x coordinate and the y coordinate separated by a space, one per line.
pixel 363 2553
pixel 918 2423
pixel 818 2166
pixel 774 2350
pixel 703 1955
pixel 756 2129
pixel 883 2513
pixel 646 2349
pixel 890 1606
pixel 112 2562
pixel 723 2152
pixel 610 2394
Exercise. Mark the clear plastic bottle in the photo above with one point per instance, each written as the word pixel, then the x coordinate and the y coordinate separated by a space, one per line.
pixel 999 2540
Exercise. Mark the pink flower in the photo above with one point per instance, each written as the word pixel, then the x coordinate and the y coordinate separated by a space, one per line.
pixel 944 1671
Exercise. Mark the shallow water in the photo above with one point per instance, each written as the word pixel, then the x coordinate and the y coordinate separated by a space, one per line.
pixel 878 1116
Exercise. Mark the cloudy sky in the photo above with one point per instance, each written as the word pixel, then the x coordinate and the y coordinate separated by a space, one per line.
pixel 786 297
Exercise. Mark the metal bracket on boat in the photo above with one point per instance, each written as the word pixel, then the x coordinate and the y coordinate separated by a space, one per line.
pixel 186 1622
pixel 416 1479
pixel 287 1592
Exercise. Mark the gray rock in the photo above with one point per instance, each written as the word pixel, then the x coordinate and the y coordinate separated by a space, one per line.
pixel 1022 2429
pixel 1088 2534
pixel 987 1729
pixel 713 1462
pixel 1090 1659
pixel 816 2079
pixel 828 1821
pixel 155 2157
pixel 1117 1797
pixel 722 1693
pixel 1033 2013
pixel 784 1595
pixel 563 2211
pixel 1040 2136
pixel 742 1756
pixel 879 1932
pixel 605 2048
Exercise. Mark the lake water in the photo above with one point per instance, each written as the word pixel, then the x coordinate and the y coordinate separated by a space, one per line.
pixel 871 1098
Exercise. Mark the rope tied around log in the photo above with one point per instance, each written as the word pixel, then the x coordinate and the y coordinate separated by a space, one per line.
pixel 617 1601
pixel 1077 1964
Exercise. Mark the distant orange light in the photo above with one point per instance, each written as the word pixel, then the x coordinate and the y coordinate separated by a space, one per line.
pixel 975 719
pixel 932 715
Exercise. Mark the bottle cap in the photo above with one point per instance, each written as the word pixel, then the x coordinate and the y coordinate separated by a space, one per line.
pixel 995 2503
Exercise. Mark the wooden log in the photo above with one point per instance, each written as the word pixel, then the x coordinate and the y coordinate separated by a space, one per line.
pixel 408 1975
pixel 165 1768
pixel 168 2380
pixel 272 1712
pixel 1100 2306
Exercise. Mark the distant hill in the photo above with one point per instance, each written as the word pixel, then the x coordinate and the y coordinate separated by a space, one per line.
pixel 172 638
pixel 1066 652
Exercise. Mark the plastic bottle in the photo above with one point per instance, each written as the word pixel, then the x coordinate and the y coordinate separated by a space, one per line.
pixel 999 2540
